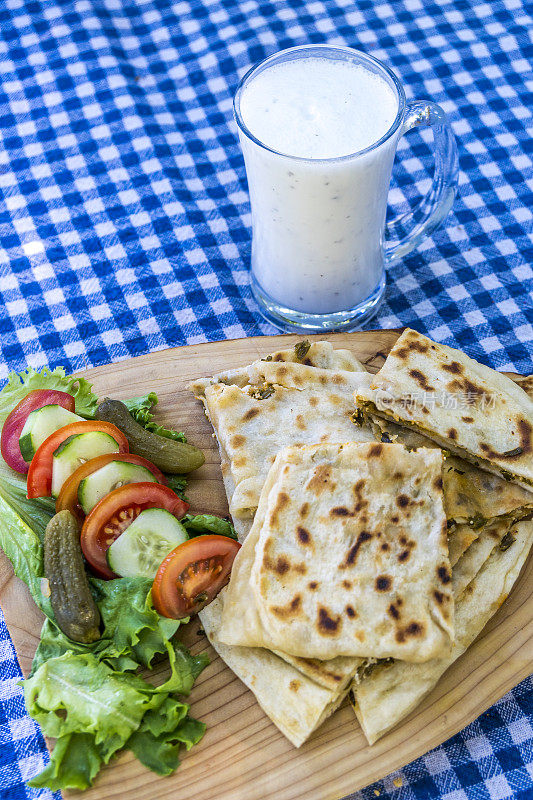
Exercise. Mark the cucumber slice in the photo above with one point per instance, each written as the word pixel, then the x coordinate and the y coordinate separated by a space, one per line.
pixel 144 544
pixel 76 450
pixel 117 473
pixel 41 424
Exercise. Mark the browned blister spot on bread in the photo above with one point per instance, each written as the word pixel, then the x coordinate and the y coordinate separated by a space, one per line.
pixel 351 556
pixel 375 450
pixel 525 433
pixel 421 379
pixel 292 609
pixel 238 440
pixel 440 597
pixel 472 391
pixel 304 537
pixel 250 414
pixel 283 500
pixel 383 583
pixel 319 479
pixel 411 631
pixel 339 380
pixel 454 367
pixel 394 611
pixel 411 345
pixel 328 624
pixel 360 501
pixel 341 511
pixel 443 573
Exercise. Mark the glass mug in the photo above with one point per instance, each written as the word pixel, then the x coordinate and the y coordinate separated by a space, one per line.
pixel 320 243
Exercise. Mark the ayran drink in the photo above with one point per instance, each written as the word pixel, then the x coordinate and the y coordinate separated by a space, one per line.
pixel 318 212
pixel 319 126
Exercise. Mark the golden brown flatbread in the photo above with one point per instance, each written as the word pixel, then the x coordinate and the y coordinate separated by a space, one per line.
pixel 347 556
pixel 467 408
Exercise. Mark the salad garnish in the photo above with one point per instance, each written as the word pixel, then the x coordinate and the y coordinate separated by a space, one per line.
pixel 89 555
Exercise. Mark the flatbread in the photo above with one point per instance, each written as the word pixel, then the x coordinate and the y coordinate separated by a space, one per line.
pixel 319 354
pixel 294 703
pixel 460 538
pixel 365 523
pixel 477 554
pixel 257 410
pixel 472 496
pixel 468 408
pixel 392 691
pixel 334 674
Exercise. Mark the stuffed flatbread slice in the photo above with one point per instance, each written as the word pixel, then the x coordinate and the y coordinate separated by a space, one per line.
pixel 294 703
pixel 257 410
pixel 391 691
pixel 467 408
pixel 357 534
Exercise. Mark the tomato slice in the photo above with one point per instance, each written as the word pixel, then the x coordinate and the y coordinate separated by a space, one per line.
pixel 68 496
pixel 9 442
pixel 112 515
pixel 193 574
pixel 40 471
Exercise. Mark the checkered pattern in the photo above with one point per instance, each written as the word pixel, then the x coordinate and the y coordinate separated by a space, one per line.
pixel 124 226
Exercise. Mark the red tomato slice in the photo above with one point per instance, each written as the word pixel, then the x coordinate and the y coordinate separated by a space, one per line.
pixel 112 515
pixel 68 496
pixel 9 442
pixel 40 471
pixel 193 574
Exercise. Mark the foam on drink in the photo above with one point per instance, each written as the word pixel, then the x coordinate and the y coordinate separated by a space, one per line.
pixel 318 108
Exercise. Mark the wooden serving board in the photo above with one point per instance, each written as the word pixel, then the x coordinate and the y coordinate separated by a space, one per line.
pixel 243 756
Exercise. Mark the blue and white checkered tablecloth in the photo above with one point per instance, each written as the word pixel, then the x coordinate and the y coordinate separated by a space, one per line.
pixel 124 228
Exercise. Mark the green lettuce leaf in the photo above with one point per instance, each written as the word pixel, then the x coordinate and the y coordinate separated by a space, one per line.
pixel 22 525
pixel 76 693
pixel 207 523
pixel 20 384
pixel 140 409
pixel 74 764
pixel 94 711
pixel 157 741
pixel 134 633
pixel 178 484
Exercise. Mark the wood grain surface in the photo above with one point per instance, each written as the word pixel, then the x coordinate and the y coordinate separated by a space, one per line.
pixel 243 756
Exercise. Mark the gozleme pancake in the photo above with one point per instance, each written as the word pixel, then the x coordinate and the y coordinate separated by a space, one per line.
pixel 467 408
pixel 392 691
pixel 333 674
pixel 296 704
pixel 257 410
pixel 349 557
pixel 472 496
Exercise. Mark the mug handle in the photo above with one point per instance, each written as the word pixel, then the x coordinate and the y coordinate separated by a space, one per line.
pixel 431 209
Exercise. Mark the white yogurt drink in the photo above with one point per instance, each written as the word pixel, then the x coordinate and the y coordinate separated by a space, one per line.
pixel 318 193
